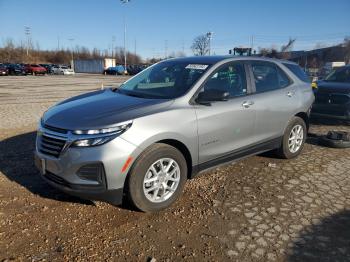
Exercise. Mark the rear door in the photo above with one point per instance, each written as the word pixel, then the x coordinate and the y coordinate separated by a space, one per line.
pixel 225 126
pixel 275 99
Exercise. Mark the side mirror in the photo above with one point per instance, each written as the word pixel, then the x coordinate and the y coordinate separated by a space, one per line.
pixel 212 95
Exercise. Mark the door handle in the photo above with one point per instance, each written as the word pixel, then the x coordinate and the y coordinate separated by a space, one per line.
pixel 290 93
pixel 247 104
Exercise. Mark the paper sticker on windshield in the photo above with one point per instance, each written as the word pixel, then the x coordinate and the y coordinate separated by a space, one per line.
pixel 196 66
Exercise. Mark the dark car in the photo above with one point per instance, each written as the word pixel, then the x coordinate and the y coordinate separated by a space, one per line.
pixel 16 69
pixel 3 70
pixel 48 68
pixel 114 70
pixel 332 95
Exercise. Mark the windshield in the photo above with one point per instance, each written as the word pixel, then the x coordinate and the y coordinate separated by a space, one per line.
pixel 339 75
pixel 170 79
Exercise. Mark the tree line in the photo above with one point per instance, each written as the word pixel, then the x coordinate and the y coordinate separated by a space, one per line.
pixel 17 53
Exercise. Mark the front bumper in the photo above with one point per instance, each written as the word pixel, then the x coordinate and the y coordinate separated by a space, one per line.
pixel 68 73
pixel 333 111
pixel 62 172
pixel 39 72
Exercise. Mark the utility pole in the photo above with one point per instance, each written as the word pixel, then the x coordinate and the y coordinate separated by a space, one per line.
pixel 58 43
pixel 125 2
pixel 72 61
pixel 27 33
pixel 113 40
pixel 166 49
pixel 135 48
pixel 183 47
pixel 209 36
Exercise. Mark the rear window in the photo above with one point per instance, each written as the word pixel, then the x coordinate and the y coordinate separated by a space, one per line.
pixel 300 73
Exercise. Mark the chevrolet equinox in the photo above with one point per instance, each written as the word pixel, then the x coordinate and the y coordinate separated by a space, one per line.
pixel 143 140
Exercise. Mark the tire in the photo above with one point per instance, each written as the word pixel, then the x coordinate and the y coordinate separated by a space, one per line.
pixel 286 151
pixel 136 187
pixel 335 139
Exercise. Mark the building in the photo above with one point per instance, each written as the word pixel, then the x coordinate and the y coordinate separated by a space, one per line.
pixel 96 66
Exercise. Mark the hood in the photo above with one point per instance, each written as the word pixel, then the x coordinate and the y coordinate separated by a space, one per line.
pixel 333 87
pixel 99 109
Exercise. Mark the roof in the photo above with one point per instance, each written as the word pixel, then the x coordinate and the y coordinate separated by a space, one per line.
pixel 215 59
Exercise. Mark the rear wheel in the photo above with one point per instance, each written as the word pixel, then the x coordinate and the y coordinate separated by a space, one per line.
pixel 157 178
pixel 293 139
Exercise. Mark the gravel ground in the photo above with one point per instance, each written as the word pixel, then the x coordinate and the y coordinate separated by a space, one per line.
pixel 260 209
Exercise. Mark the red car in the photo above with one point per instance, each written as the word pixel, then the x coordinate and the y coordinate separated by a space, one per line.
pixel 3 70
pixel 34 69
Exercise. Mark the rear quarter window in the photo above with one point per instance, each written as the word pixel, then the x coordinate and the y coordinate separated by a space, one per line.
pixel 298 72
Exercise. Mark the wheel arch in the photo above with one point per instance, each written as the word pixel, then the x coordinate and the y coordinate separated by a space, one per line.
pixel 184 151
pixel 305 117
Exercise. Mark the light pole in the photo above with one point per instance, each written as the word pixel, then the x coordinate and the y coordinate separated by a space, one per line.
pixel 27 32
pixel 72 62
pixel 209 36
pixel 113 40
pixel 125 71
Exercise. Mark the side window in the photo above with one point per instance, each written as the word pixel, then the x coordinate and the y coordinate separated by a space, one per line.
pixel 230 78
pixel 268 77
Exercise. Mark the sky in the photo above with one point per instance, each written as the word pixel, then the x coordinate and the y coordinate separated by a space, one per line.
pixel 159 27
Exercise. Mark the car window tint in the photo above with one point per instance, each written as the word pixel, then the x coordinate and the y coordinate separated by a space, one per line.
pixel 229 78
pixel 268 77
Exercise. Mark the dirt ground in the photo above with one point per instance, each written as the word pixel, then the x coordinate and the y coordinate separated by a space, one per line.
pixel 259 209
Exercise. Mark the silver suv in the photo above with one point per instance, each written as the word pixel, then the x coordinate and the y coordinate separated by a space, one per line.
pixel 175 119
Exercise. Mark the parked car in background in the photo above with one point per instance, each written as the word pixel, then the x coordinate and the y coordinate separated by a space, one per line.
pixel 144 139
pixel 114 70
pixel 34 69
pixel 48 68
pixel 16 69
pixel 62 70
pixel 328 68
pixel 333 95
pixel 134 69
pixel 3 70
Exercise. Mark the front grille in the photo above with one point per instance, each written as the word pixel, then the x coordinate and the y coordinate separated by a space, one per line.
pixel 329 111
pixel 56 129
pixel 50 146
pixel 340 99
pixel 324 98
pixel 321 98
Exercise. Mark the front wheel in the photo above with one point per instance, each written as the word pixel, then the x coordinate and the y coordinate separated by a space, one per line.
pixel 293 139
pixel 157 178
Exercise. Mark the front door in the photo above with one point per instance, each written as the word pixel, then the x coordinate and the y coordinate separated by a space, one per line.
pixel 225 126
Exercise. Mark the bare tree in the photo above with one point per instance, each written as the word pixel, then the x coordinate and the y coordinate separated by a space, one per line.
pixel 200 45
pixel 269 52
pixel 286 49
pixel 12 53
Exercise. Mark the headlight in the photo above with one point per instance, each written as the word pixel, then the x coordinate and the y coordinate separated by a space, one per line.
pixel 96 137
pixel 93 141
